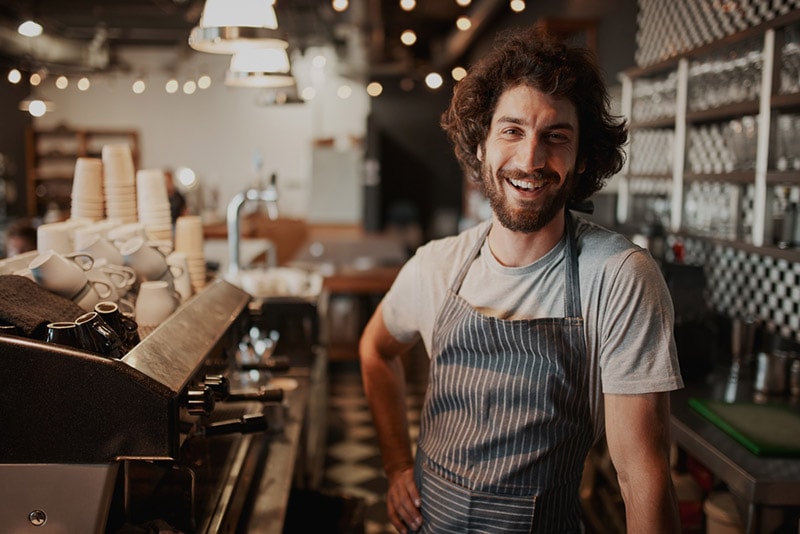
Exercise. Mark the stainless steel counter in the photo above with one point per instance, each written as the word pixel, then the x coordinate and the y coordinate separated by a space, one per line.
pixel 761 482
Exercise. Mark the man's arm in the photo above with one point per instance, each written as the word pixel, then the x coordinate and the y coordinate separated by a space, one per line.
pixel 384 385
pixel 637 432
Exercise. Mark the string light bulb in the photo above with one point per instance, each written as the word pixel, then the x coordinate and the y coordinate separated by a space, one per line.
pixel 340 5
pixel 62 82
pixel 84 84
pixel 30 28
pixel 463 23
pixel 434 80
pixel 408 5
pixel 14 76
pixel 408 37
pixel 138 86
pixel 172 86
pixel 458 73
pixel 374 89
pixel 517 6
pixel 463 3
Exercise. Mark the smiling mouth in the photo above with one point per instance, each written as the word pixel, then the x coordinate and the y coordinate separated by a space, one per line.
pixel 525 185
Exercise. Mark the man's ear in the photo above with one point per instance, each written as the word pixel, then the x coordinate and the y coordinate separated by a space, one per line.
pixel 479 153
pixel 581 166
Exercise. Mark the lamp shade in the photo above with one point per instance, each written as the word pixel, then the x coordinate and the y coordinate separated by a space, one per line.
pixel 228 26
pixel 260 67
pixel 247 13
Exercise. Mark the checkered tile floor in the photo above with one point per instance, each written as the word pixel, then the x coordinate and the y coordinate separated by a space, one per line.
pixel 353 464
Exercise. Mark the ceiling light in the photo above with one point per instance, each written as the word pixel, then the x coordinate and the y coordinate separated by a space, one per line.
pixel 30 28
pixel 260 67
pixel 14 76
pixel 374 89
pixel 517 6
pixel 36 106
pixel 62 82
pixel 227 26
pixel 463 23
pixel 408 37
pixel 408 5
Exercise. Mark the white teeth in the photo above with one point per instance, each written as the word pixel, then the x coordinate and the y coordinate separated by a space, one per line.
pixel 529 186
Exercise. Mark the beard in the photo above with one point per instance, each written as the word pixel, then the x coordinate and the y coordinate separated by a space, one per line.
pixel 532 215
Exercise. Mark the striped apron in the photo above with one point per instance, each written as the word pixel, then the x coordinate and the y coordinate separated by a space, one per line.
pixel 506 423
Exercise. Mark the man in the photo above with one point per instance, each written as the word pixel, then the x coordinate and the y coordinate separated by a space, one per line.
pixel 544 330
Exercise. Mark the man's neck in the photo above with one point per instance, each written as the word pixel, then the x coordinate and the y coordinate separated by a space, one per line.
pixel 517 249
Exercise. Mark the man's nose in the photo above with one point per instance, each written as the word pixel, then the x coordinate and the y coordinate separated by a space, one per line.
pixel 531 155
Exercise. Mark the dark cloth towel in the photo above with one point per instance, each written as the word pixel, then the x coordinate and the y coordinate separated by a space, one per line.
pixel 30 307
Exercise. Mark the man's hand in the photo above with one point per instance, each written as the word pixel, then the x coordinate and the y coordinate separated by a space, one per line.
pixel 403 501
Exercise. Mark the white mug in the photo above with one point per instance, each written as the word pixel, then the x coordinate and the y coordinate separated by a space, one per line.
pixel 88 297
pixel 148 262
pixel 179 267
pixel 64 274
pixel 55 236
pixel 155 303
pixel 100 247
pixel 122 277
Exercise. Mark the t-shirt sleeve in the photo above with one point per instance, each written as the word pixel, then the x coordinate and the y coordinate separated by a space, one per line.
pixel 638 353
pixel 402 302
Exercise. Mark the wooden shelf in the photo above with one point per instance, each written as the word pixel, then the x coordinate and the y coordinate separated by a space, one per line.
pixel 62 146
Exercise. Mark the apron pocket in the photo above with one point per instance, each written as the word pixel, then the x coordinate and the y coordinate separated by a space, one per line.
pixel 449 507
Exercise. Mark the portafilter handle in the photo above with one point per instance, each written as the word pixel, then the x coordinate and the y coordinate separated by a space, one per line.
pixel 262 395
pixel 246 424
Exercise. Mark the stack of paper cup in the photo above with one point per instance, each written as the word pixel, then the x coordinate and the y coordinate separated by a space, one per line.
pixel 119 177
pixel 189 240
pixel 87 189
pixel 153 204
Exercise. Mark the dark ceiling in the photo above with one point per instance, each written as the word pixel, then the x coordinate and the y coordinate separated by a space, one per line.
pixel 306 22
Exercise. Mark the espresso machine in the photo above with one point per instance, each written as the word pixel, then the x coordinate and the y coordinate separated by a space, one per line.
pixel 161 437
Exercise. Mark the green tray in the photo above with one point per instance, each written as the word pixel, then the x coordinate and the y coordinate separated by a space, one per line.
pixel 764 429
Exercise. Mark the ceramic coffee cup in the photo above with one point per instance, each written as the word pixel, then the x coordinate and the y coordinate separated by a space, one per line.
pixel 63 274
pixel 147 261
pixel 93 292
pixel 96 336
pixel 100 247
pixel 181 280
pixel 155 303
pixel 125 327
pixel 63 333
pixel 55 236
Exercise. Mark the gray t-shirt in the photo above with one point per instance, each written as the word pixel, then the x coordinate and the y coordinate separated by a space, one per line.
pixel 626 306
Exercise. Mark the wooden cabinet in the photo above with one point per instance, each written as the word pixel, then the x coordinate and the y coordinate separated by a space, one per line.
pixel 50 161
pixel 714 145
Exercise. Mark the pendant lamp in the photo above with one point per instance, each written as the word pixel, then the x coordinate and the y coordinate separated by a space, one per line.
pixel 228 26
pixel 260 67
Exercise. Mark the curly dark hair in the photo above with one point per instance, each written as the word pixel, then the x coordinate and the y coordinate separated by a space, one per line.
pixel 534 58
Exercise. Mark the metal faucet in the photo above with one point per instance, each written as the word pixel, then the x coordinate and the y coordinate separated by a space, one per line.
pixel 269 196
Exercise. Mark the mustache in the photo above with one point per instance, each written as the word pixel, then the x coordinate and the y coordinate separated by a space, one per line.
pixel 511 174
